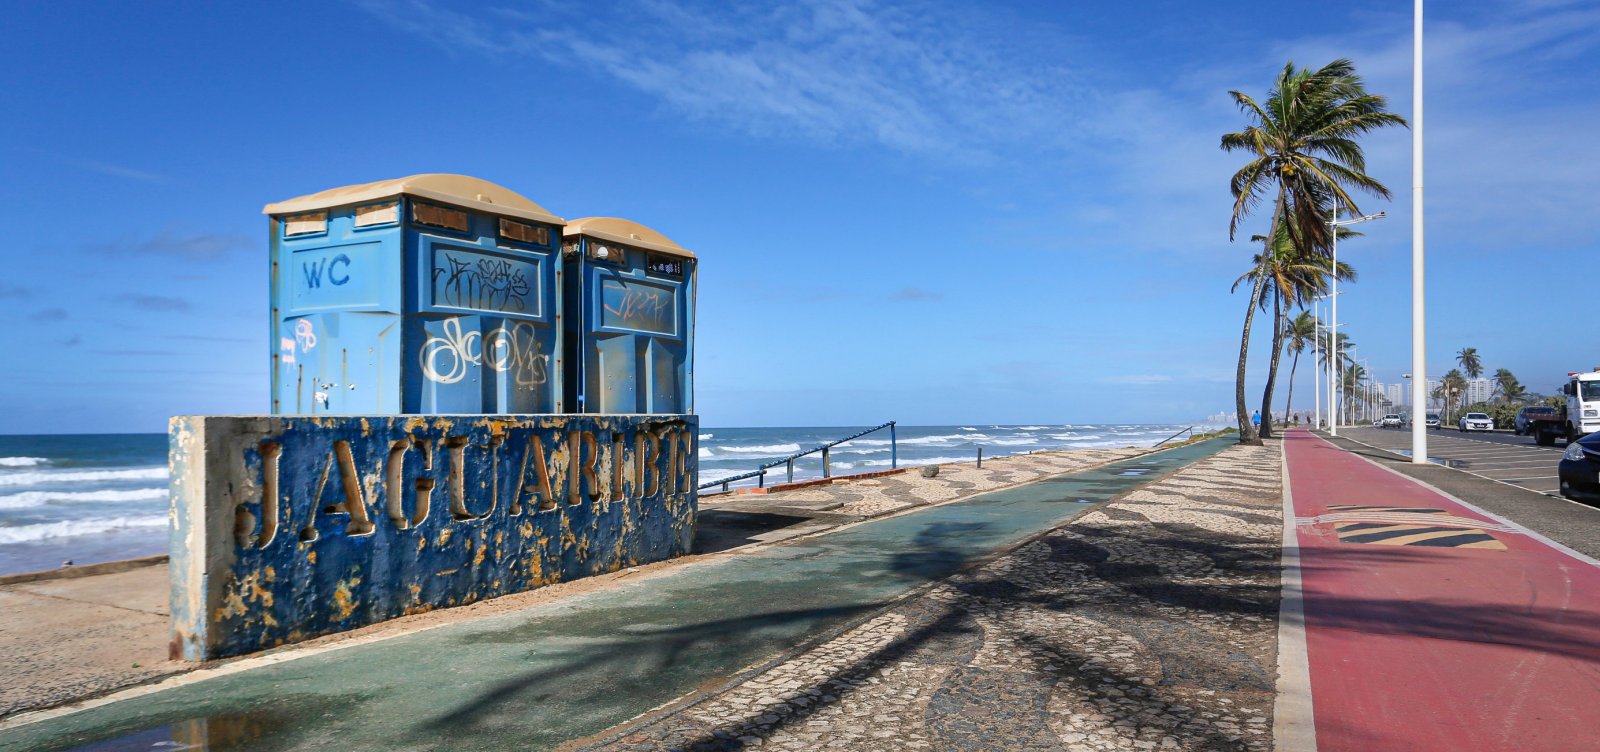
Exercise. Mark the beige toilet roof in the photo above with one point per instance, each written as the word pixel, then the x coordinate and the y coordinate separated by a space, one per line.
pixel 456 190
pixel 625 232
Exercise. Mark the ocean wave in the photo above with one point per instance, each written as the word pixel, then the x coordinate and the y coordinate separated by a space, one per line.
pixel 23 461
pixel 80 476
pixel 760 448
pixel 917 462
pixel 941 439
pixel 847 449
pixel 711 476
pixel 706 454
pixel 968 428
pixel 1014 442
pixel 43 530
pixel 1074 437
pixel 705 436
pixel 1031 428
pixel 27 499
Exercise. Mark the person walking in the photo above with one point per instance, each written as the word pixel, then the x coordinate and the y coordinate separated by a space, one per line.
pixel 1255 420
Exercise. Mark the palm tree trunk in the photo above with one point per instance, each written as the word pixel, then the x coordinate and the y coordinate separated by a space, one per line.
pixel 1289 401
pixel 1247 433
pixel 1278 326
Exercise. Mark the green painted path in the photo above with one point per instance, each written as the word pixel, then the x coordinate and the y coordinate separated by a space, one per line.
pixel 537 678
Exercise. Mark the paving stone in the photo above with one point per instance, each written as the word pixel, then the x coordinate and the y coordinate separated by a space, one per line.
pixel 1144 624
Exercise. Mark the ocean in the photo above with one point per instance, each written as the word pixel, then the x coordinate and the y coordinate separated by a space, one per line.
pixel 93 498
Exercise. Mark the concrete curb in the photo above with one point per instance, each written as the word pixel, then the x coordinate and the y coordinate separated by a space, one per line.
pixel 781 487
pixel 87 570
pixel 1293 720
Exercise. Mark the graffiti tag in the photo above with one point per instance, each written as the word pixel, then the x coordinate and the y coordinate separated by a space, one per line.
pixel 486 283
pixel 644 308
pixel 508 348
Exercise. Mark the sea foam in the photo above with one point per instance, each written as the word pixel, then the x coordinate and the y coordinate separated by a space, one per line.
pixel 43 530
pixel 28 499
pixel 23 461
pixel 81 476
pixel 760 448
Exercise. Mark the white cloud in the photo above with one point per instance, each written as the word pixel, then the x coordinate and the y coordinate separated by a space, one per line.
pixel 1138 166
pixel 919 81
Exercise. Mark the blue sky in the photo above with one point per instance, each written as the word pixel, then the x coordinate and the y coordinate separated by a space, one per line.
pixel 930 212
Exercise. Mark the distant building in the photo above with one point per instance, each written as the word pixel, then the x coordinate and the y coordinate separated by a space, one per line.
pixel 1480 390
pixel 1391 394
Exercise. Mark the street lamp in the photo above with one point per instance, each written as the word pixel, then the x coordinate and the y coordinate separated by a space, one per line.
pixel 1319 349
pixel 1336 224
pixel 1419 365
pixel 1322 377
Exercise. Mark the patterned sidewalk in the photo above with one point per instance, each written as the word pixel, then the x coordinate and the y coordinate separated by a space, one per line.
pixel 873 497
pixel 1149 623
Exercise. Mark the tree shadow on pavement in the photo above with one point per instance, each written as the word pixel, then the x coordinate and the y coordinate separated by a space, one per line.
pixel 1192 631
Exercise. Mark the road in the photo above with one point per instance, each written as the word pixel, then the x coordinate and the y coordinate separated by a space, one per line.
pixel 1503 457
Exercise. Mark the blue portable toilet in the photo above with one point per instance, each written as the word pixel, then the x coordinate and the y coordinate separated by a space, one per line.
pixel 426 294
pixel 630 319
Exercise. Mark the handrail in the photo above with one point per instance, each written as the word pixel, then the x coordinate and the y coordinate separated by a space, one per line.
pixel 760 473
pixel 1189 430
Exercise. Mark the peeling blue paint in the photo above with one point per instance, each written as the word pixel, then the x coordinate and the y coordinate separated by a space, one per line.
pixel 285 528
pixel 407 317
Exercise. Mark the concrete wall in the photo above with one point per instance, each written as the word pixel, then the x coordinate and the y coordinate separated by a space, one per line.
pixel 285 528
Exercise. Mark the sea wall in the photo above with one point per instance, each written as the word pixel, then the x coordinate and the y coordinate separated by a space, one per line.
pixel 286 528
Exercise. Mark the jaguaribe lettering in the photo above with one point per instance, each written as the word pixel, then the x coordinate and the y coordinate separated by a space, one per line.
pixel 291 527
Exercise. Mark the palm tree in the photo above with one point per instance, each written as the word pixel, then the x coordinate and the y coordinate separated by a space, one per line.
pixel 1468 358
pixel 1301 332
pixel 1350 385
pixel 1507 386
pixel 1335 354
pixel 1302 142
pixel 1451 388
pixel 1293 279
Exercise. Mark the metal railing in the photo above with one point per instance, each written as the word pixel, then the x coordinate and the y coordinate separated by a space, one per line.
pixel 760 473
pixel 1189 430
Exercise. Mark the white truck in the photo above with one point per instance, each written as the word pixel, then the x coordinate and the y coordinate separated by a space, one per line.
pixel 1580 416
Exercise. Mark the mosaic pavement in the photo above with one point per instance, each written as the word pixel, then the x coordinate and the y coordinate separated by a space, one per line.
pixel 1147 624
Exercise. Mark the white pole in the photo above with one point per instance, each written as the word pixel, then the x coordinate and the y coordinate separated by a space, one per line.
pixel 1333 377
pixel 1419 365
pixel 1316 370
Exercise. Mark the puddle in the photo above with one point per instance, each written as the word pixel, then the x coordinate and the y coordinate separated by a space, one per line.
pixel 1133 472
pixel 1434 460
pixel 226 732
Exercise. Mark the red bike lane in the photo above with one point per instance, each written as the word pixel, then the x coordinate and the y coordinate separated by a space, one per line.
pixel 1433 625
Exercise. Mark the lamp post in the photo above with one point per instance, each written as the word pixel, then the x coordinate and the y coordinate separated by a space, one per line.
pixel 1323 369
pixel 1419 365
pixel 1336 224
pixel 1316 371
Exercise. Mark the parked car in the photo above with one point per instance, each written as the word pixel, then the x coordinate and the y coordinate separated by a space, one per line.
pixel 1432 421
pixel 1580 469
pixel 1475 422
pixel 1392 420
pixel 1521 425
